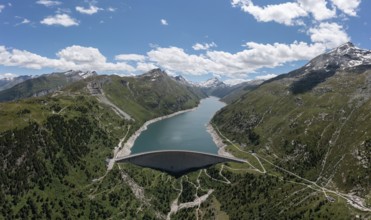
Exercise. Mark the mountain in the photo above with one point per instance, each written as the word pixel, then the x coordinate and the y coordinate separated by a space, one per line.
pixel 346 56
pixel 6 83
pixel 227 93
pixel 212 83
pixel 182 80
pixel 234 92
pixel 44 84
pixel 53 149
pixel 311 125
pixel 55 152
pixel 149 94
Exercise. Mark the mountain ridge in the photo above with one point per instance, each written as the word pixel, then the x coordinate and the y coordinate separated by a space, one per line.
pixel 311 121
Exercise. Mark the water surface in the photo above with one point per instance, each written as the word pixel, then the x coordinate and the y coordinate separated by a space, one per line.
pixel 186 131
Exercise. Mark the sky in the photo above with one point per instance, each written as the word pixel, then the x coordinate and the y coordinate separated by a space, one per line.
pixel 234 40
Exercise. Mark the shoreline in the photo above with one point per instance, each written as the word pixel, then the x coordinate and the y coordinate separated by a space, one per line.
pixel 218 141
pixel 126 149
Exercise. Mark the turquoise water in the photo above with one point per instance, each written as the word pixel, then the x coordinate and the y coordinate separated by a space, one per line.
pixel 186 131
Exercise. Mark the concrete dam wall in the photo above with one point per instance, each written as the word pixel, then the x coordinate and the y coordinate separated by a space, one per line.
pixel 176 162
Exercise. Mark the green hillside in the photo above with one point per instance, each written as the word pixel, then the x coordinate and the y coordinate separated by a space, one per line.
pixel 321 133
pixel 42 85
pixel 54 150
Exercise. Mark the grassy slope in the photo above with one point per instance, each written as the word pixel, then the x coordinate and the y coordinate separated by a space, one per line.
pixel 30 87
pixel 298 131
pixel 69 192
pixel 53 147
pixel 146 97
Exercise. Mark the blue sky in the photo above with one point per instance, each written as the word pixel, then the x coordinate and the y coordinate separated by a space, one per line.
pixel 232 39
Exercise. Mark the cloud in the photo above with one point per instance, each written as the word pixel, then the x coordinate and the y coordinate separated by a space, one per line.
pixel 22 58
pixel 235 81
pixel 24 21
pixel 73 57
pixel 111 9
pixel 329 34
pixel 89 11
pixel 176 60
pixel 89 58
pixel 7 75
pixel 130 57
pixel 145 67
pixel 266 77
pixel 235 65
pixel 349 7
pixel 285 13
pixel 2 8
pixel 204 46
pixel 60 19
pixel 318 8
pixel 290 13
pixel 81 55
pixel 48 3
pixel 164 22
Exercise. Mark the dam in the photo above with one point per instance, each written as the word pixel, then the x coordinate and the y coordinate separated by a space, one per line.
pixel 176 162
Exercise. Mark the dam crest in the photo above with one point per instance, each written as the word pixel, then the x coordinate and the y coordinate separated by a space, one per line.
pixel 176 162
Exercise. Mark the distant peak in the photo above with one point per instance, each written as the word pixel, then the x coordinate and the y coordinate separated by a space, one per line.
pixel 213 82
pixel 345 56
pixel 157 71
pixel 80 73
pixel 347 44
pixel 343 49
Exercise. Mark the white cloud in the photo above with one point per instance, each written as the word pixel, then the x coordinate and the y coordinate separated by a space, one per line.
pixel 329 34
pixel 176 60
pixel 89 11
pixel 74 57
pixel 204 46
pixel 318 8
pixel 48 3
pixel 111 9
pixel 89 58
pixel 290 13
pixel 236 65
pixel 7 75
pixel 285 13
pixel 60 19
pixel 1 8
pixel 25 21
pixel 235 81
pixel 266 77
pixel 22 58
pixel 164 22
pixel 145 67
pixel 130 57
pixel 349 7
pixel 81 55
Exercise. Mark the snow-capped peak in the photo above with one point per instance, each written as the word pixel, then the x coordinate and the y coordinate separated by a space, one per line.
pixel 342 57
pixel 213 82
pixel 181 79
pixel 80 73
pixel 8 76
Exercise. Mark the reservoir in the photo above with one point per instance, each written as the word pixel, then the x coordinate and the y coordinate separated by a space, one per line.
pixel 186 131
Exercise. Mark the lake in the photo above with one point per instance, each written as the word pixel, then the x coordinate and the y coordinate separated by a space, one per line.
pixel 186 131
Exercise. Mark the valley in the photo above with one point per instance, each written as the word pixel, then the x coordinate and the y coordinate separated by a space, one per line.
pixel 305 136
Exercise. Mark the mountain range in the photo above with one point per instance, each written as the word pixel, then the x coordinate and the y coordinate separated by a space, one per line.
pixel 305 136
pixel 314 121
